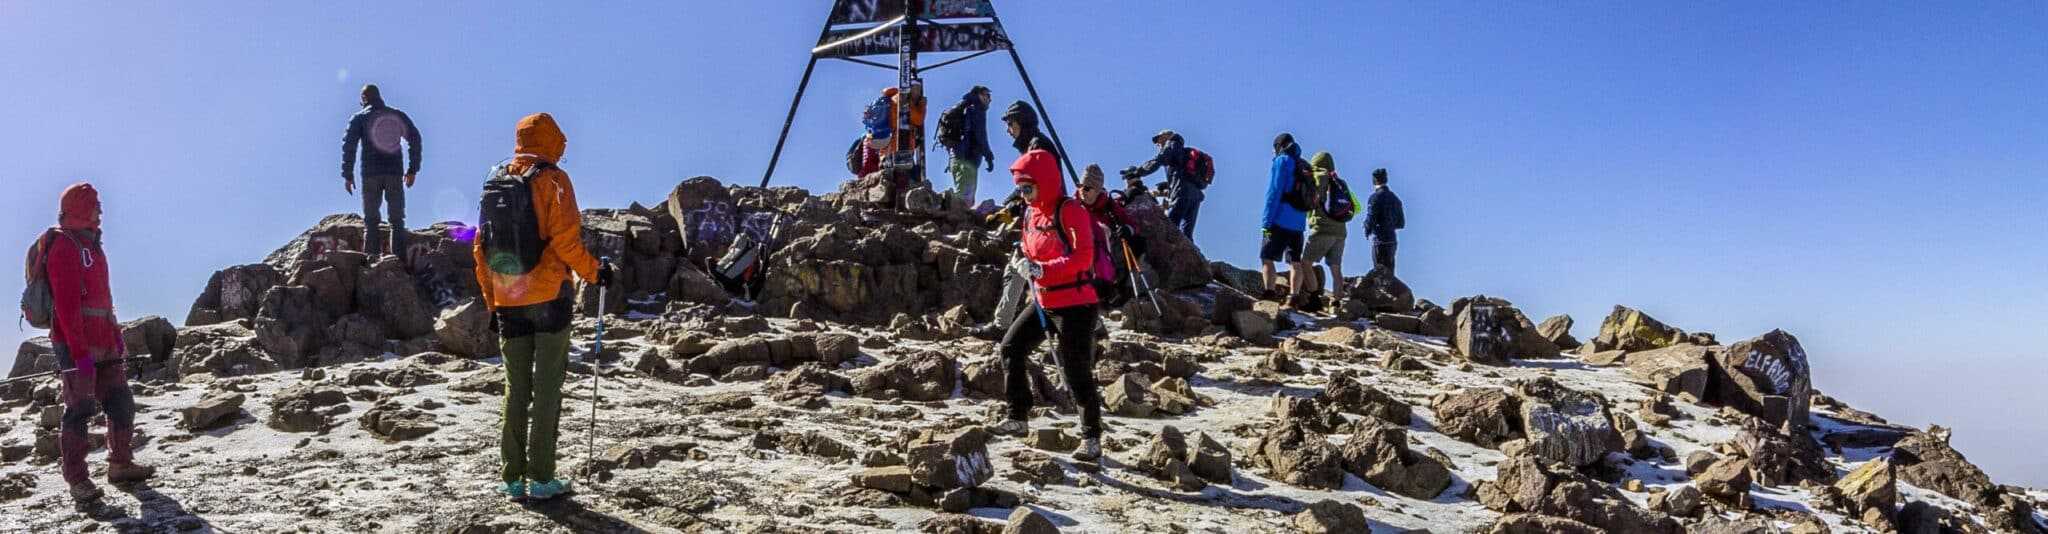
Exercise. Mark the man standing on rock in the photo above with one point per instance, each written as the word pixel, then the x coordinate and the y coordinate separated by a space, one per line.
pixel 1060 248
pixel 529 239
pixel 380 129
pixel 1284 220
pixel 1183 188
pixel 84 333
pixel 1382 217
pixel 1326 230
pixel 963 130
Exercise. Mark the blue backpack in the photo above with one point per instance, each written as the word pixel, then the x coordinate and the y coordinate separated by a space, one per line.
pixel 876 118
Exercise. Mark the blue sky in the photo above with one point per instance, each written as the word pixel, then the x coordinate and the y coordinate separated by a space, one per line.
pixel 1868 177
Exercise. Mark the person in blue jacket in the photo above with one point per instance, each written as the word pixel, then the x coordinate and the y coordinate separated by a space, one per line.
pixel 1383 217
pixel 1283 221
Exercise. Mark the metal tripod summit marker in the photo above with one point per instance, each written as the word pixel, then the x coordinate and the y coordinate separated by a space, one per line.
pixel 856 29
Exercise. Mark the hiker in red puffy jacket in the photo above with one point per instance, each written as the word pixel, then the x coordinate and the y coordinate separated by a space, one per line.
pixel 84 332
pixel 1061 250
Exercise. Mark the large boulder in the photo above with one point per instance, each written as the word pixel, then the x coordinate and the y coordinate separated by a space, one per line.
pixel 1173 260
pixel 1871 491
pixel 1630 329
pixel 1564 425
pixel 1781 458
pixel 1296 455
pixel 1481 416
pixel 1767 377
pixel 465 330
pixel 222 350
pixel 394 422
pixel 1348 394
pixel 919 376
pixel 1382 292
pixel 1528 485
pixel 1491 331
pixel 1164 313
pixel 947 460
pixel 233 293
pixel 290 324
pixel 1330 517
pixel 305 407
pixel 1379 454
pixel 1682 369
pixel 212 411
pixel 1926 460
pixel 387 293
pixel 34 355
pixel 1558 329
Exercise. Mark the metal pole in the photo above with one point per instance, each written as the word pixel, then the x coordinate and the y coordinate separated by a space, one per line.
pixel 596 353
pixel 96 365
pixel 787 120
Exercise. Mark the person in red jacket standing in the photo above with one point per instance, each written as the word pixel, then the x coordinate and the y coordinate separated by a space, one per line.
pixel 84 332
pixel 1061 253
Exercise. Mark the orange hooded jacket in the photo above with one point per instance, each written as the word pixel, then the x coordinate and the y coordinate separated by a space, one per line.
pixel 561 223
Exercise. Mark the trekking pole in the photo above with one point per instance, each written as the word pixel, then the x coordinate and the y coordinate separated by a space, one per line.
pixel 1138 282
pixel 596 351
pixel 96 365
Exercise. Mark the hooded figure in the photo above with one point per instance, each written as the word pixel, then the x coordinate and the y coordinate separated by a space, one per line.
pixel 1062 253
pixel 1326 234
pixel 1023 127
pixel 531 313
pixel 84 332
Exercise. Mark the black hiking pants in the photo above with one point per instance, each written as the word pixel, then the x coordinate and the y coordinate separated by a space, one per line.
pixel 390 192
pixel 1383 255
pixel 1074 331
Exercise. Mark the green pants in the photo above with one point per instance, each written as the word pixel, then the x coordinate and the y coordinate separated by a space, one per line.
pixel 533 400
pixel 964 177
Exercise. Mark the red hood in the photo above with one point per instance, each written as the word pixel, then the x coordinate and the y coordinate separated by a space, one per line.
pixel 75 211
pixel 1043 171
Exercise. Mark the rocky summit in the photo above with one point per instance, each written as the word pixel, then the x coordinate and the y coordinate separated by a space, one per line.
pixel 321 390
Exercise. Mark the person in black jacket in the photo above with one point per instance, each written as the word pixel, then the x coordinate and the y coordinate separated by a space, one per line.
pixel 1022 124
pixel 1183 190
pixel 973 150
pixel 380 129
pixel 1382 217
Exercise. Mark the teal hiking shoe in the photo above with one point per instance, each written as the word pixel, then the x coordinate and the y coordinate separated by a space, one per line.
pixel 513 490
pixel 547 490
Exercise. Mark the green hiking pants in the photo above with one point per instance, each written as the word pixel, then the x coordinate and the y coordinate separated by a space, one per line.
pixel 965 176
pixel 533 404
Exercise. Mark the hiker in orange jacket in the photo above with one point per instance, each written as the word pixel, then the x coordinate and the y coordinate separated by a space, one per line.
pixel 84 333
pixel 531 309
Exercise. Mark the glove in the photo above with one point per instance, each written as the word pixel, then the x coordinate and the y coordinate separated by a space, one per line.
pixel 991 166
pixel 1034 270
pixel 1120 231
pixel 604 275
pixel 348 184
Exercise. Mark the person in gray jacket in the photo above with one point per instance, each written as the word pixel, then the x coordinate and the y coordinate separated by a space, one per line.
pixel 380 130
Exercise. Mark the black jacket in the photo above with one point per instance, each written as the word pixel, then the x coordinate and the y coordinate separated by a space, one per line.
pixel 1383 215
pixel 379 129
pixel 1173 156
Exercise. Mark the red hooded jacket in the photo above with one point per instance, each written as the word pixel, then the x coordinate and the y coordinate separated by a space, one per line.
pixel 83 325
pixel 1065 282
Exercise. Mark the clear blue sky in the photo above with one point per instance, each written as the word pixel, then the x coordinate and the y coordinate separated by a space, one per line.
pixel 1868 177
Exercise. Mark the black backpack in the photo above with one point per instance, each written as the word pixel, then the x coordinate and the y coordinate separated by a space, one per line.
pixel 1302 195
pixel 507 226
pixel 854 156
pixel 1338 204
pixel 953 127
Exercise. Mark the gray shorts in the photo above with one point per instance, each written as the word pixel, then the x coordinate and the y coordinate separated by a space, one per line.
pixel 1325 249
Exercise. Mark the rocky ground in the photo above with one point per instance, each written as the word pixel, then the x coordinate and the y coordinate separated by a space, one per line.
pixel 319 392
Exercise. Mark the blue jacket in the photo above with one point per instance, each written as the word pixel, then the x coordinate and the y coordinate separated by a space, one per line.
pixel 1383 215
pixel 975 148
pixel 1278 213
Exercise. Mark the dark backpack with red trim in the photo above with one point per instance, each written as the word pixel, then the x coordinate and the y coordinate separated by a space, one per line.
pixel 1201 167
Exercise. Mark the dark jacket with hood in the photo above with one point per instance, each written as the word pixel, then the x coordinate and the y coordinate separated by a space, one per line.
pixel 974 146
pixel 1173 156
pixel 1027 122
pixel 1383 215
pixel 379 128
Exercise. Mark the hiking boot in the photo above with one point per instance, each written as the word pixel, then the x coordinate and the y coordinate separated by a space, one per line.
pixel 547 490
pixel 1011 427
pixel 129 473
pixel 514 490
pixel 1091 450
pixel 85 492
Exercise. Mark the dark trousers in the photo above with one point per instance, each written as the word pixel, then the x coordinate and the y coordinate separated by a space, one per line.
pixel 1183 214
pixel 1383 255
pixel 390 192
pixel 1074 330
pixel 111 383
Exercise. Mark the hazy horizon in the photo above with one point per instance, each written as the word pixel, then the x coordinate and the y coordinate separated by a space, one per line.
pixel 1866 177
